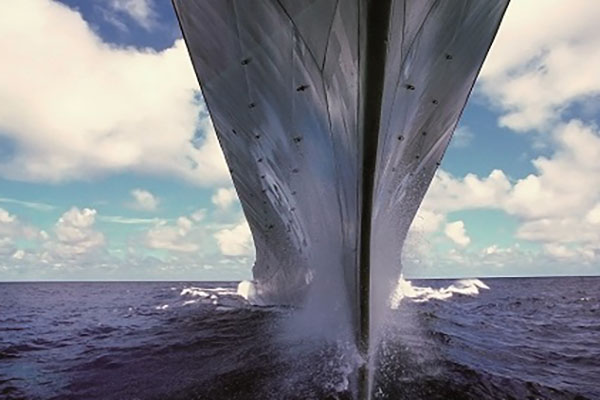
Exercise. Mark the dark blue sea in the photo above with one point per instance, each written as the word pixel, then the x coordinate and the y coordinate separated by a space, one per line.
pixel 535 338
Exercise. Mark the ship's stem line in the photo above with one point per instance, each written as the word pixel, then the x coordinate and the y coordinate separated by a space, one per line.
pixel 373 36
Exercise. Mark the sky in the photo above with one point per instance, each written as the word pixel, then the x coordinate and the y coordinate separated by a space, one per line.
pixel 110 168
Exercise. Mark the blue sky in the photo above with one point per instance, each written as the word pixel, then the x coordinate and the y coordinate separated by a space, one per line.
pixel 109 168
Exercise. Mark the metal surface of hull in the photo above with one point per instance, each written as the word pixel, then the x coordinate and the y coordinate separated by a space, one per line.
pixel 333 116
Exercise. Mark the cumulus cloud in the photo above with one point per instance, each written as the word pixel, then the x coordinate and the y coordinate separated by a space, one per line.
pixel 12 229
pixel 448 193
pixel 76 249
pixel 235 241
pixel 179 237
pixel 198 215
pixel 593 216
pixel 19 254
pixel 141 11
pixel 456 232
pixel 144 200
pixel 224 197
pixel 558 205
pixel 74 107
pixel 74 234
pixel 563 181
pixel 427 221
pixel 555 64
pixel 6 218
pixel 462 137
pixel 493 260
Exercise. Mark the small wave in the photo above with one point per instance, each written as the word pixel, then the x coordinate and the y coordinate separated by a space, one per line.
pixel 417 294
pixel 218 296
pixel 97 330
pixel 194 292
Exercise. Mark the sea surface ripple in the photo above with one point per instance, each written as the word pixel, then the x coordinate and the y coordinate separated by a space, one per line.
pixel 535 338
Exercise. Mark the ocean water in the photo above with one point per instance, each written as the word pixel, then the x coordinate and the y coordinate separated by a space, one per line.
pixel 536 338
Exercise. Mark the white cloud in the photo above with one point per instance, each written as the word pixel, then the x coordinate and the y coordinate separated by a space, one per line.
pixel 560 187
pixel 593 216
pixel 427 221
pixel 18 255
pixel 577 254
pixel 144 200
pixel 118 219
pixel 559 251
pixel 112 17
pixel 75 234
pixel 29 204
pixel 198 215
pixel 448 193
pixel 6 218
pixel 558 206
pixel 11 229
pixel 8 228
pixel 559 230
pixel 563 185
pixel 75 249
pixel 235 241
pixel 179 237
pixel 456 232
pixel 224 197
pixel 141 11
pixel 76 107
pixel 555 63
pixel 462 137
pixel 565 178
pixel 492 260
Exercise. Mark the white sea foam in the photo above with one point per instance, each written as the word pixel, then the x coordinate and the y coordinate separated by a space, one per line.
pixel 194 292
pixel 405 289
pixel 221 296
pixel 247 290
pixel 163 307
pixel 223 291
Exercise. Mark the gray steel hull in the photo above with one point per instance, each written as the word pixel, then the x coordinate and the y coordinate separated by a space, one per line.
pixel 333 116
